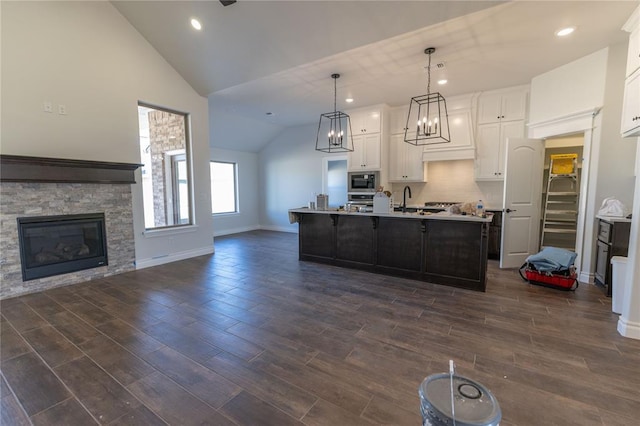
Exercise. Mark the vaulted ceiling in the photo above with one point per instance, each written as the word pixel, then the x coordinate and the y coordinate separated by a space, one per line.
pixel 257 57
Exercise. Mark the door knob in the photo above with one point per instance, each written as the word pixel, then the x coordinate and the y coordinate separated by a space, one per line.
pixel 509 210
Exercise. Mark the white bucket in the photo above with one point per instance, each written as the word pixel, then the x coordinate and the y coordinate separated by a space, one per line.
pixel 618 277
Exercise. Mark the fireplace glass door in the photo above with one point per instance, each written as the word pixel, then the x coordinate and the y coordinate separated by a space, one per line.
pixel 53 245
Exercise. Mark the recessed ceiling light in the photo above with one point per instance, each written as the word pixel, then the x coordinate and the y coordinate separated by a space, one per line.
pixel 565 31
pixel 443 81
pixel 196 24
pixel 348 100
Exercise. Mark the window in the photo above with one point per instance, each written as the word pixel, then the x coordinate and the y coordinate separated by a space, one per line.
pixel 165 154
pixel 224 198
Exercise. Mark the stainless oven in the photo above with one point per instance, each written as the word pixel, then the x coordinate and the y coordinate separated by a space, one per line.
pixel 360 201
pixel 365 198
pixel 363 181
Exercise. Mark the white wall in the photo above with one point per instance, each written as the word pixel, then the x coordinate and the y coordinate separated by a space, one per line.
pixel 616 162
pixel 290 172
pixel 247 217
pixel 230 130
pixel 86 56
pixel 571 88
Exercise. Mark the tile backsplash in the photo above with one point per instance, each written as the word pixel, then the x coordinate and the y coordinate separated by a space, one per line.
pixel 451 181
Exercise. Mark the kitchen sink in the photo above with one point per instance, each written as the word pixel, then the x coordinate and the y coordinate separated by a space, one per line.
pixel 409 209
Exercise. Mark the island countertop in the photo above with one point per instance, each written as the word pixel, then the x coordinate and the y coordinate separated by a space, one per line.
pixel 400 215
pixel 440 248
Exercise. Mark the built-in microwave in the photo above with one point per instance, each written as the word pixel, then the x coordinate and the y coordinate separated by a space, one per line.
pixel 363 181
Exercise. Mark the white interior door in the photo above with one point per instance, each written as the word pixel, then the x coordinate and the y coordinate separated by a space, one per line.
pixel 521 205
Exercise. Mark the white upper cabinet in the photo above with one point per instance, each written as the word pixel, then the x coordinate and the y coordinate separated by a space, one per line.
pixel 502 106
pixel 398 120
pixel 491 148
pixel 367 153
pixel 405 161
pixel 365 121
pixel 631 106
pixel 370 140
pixel 633 53
pixel 501 115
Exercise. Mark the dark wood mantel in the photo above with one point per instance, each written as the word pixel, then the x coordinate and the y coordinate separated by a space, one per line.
pixel 18 168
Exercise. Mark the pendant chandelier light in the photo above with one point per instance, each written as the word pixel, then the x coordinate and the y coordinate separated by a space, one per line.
pixel 428 120
pixel 334 128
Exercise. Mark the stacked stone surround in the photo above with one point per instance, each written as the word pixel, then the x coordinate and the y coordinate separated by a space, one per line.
pixel 20 199
pixel 166 133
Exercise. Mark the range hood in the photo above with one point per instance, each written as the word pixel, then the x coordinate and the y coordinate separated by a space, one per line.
pixel 462 145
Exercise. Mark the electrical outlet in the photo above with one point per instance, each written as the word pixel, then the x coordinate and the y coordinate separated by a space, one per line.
pixel 47 106
pixel 62 110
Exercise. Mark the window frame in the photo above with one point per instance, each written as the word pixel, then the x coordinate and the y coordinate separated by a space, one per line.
pixel 236 197
pixel 189 165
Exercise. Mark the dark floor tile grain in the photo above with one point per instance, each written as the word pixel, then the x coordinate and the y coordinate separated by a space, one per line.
pixel 89 313
pixel 102 395
pixel 200 381
pixel 175 338
pixel 324 413
pixel 20 315
pixel 382 412
pixel 345 395
pixel 52 346
pixel 121 364
pixel 73 328
pixel 252 336
pixel 34 384
pixel 269 388
pixel 173 404
pixel 12 343
pixel 246 409
pixel 131 338
pixel 137 417
pixel 43 305
pixel 11 412
pixel 68 412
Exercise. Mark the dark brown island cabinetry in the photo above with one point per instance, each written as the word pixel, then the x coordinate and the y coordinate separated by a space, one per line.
pixel 427 248
pixel 613 240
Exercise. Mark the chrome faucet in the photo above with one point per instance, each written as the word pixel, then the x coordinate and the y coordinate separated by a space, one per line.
pixel 404 198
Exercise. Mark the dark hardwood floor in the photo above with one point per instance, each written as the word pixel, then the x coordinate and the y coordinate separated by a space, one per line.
pixel 252 336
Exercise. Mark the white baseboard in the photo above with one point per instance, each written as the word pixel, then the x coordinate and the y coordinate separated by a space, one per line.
pixel 173 257
pixel 235 230
pixel 586 278
pixel 279 228
pixel 255 228
pixel 628 329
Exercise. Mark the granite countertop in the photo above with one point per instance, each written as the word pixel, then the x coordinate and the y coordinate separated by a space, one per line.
pixel 613 218
pixel 400 215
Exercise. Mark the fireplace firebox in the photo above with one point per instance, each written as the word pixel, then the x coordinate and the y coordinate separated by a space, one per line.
pixel 54 245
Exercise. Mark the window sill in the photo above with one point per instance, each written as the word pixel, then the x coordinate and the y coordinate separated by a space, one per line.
pixel 154 233
pixel 214 215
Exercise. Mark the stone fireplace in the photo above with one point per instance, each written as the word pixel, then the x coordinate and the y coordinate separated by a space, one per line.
pixel 33 187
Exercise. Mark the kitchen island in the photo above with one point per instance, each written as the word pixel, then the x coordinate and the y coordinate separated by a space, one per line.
pixel 439 248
